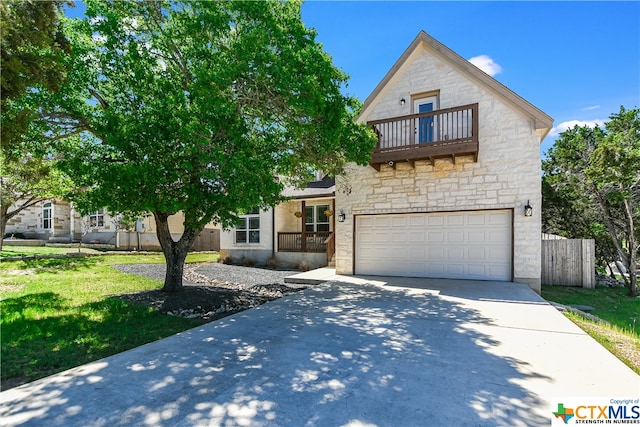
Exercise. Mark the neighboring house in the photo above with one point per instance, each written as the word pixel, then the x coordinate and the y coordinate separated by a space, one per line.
pixel 457 162
pixel 56 221
pixel 299 230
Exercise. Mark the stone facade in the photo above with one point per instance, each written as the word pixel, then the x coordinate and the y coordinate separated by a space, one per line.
pixel 505 176
pixel 30 222
pixel 66 224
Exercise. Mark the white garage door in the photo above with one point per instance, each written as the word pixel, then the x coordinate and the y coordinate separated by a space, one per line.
pixel 455 245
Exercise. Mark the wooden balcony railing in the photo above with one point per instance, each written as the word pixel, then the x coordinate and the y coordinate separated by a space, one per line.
pixel 303 242
pixel 430 135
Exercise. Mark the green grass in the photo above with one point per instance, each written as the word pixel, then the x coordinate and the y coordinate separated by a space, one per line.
pixel 13 251
pixel 611 304
pixel 57 313
pixel 621 335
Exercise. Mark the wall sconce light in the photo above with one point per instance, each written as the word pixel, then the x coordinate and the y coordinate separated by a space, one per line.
pixel 402 101
pixel 341 216
pixel 528 209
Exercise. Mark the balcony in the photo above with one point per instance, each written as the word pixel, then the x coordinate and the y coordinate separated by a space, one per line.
pixel 431 135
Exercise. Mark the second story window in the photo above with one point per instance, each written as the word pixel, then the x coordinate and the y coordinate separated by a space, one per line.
pixel 248 230
pixel 47 216
pixel 96 219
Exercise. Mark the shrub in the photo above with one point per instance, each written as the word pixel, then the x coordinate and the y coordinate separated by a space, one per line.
pixel 272 263
pixel 248 262
pixel 226 260
pixel 304 266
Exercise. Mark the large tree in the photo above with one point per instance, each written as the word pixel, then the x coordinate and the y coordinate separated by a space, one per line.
pixel 598 172
pixel 200 107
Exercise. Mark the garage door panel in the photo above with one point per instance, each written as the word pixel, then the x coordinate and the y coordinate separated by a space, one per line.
pixel 417 237
pixel 417 221
pixel 454 253
pixel 435 220
pixel 454 220
pixel 435 237
pixel 455 237
pixel 466 244
pixel 476 270
pixel 455 270
pixel 476 253
pixel 478 236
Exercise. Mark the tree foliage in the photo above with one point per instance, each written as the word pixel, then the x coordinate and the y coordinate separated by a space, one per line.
pixel 199 107
pixel 31 59
pixel 591 184
pixel 33 45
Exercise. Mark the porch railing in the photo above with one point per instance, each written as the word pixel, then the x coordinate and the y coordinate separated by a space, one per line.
pixel 331 247
pixel 315 241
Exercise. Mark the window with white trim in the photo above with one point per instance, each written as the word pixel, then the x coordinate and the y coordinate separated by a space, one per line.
pixel 96 219
pixel 315 218
pixel 248 229
pixel 47 216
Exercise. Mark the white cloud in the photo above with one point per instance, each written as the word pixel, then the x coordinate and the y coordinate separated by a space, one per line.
pixel 591 107
pixel 486 64
pixel 561 127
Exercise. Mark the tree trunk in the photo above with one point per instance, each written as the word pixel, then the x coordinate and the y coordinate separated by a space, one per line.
pixel 174 252
pixel 632 264
pixel 3 223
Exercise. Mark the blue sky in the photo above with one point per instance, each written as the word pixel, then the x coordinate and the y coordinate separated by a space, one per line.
pixel 576 61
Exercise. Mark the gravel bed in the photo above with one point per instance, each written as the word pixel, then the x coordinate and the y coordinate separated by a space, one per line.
pixel 246 275
pixel 199 273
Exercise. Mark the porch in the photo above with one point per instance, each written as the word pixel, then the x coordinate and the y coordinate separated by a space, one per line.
pixel 315 222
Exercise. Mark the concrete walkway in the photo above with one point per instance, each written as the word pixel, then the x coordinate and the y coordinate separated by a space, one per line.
pixel 351 352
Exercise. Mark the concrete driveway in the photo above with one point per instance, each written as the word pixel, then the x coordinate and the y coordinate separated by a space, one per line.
pixel 352 352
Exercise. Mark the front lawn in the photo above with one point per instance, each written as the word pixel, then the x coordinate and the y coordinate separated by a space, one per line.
pixel 621 332
pixel 57 313
pixel 611 304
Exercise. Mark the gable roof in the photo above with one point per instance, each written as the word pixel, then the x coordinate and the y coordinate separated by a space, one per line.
pixel 542 121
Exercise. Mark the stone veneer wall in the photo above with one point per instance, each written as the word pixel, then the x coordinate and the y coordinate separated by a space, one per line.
pixel 29 221
pixel 506 175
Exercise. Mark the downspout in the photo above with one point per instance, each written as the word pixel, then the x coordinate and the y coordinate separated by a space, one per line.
pixel 273 232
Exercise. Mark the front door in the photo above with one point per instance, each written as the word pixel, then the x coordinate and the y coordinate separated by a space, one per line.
pixel 426 125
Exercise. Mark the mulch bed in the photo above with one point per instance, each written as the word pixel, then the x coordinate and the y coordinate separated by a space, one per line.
pixel 205 298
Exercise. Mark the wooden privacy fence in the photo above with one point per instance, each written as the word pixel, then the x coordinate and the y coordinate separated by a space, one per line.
pixel 569 262
pixel 207 240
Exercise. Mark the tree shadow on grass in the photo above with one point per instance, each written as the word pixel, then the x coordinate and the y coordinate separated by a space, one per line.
pixel 42 334
pixel 58 265
pixel 337 354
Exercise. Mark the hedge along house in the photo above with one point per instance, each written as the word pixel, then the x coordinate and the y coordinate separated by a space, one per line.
pixel 298 230
pixel 451 182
